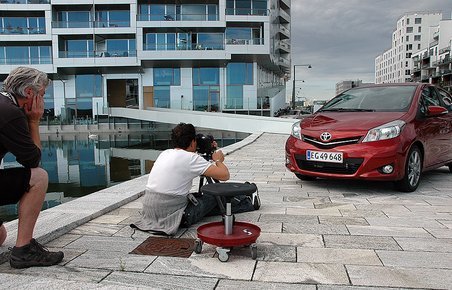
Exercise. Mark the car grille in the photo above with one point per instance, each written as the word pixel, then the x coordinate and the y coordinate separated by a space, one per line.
pixel 331 144
pixel 349 166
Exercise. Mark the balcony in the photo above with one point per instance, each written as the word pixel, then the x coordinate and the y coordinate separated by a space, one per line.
pixel 444 50
pixel 284 17
pixel 25 61
pixel 247 11
pixel 23 30
pixel 284 32
pixel 236 41
pixel 283 47
pixel 97 53
pixel 184 46
pixel 25 1
pixel 178 17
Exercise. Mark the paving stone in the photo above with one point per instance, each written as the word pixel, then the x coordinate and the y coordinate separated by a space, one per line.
pixel 360 242
pixel 337 256
pixel 63 241
pixel 10 281
pixel 313 212
pixel 110 260
pixel 404 222
pixel 204 266
pixel 446 223
pixel 330 205
pixel 387 231
pixel 399 277
pixel 301 219
pixel 337 287
pixel 300 240
pixel 296 228
pixel 109 219
pixel 415 259
pixel 440 233
pixel 95 229
pixel 301 273
pixel 156 281
pixel 342 220
pixel 425 244
pixel 364 213
pixel 273 253
pixel 253 285
pixel 100 243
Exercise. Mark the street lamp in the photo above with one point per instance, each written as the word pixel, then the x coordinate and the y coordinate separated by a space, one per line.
pixel 293 77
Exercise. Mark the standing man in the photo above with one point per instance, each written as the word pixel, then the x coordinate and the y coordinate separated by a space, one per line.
pixel 21 108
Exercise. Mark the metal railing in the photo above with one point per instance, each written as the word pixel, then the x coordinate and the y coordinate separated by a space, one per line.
pixel 236 41
pixel 22 30
pixel 247 11
pixel 34 60
pixel 24 1
pixel 97 53
pixel 183 46
pixel 178 17
pixel 90 24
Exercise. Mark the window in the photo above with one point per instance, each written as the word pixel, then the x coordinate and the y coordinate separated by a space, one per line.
pixel 407 38
pixel 446 98
pixel 166 76
pixel 409 29
pixel 417 38
pixel 419 29
pixel 418 46
pixel 162 96
pixel 409 47
pixel 239 74
pixel 407 21
pixel 206 92
pixel 417 20
pixel 87 87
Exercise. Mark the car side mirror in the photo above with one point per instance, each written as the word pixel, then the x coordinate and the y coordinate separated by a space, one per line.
pixel 436 111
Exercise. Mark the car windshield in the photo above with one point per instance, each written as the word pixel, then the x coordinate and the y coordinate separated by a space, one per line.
pixel 372 99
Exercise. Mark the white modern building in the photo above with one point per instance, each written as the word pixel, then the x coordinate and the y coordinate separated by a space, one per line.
pixel 411 34
pixel 345 85
pixel 433 64
pixel 208 55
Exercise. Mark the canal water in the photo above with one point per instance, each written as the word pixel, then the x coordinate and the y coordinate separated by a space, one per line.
pixel 80 164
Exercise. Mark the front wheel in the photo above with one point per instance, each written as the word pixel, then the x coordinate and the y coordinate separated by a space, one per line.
pixel 413 168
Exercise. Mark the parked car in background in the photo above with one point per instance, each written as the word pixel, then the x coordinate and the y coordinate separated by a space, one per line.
pixel 296 114
pixel 388 132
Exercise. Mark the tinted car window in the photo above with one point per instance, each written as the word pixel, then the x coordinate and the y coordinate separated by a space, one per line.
pixel 429 97
pixel 381 99
pixel 446 98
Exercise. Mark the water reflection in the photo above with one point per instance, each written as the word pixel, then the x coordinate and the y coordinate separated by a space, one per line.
pixel 79 164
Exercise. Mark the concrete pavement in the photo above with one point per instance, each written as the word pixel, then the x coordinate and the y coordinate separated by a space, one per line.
pixel 324 234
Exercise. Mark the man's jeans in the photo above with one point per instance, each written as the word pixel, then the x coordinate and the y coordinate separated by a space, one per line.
pixel 208 206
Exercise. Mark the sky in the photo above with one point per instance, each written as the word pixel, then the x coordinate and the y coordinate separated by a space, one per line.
pixel 341 38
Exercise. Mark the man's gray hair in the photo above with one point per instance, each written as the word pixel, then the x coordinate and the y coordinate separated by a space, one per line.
pixel 25 77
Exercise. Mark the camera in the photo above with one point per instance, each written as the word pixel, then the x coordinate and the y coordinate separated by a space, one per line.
pixel 204 145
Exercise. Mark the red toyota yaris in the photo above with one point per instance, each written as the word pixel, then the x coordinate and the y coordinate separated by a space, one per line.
pixel 388 132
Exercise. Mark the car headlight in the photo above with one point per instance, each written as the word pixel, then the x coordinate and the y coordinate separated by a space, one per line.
pixel 296 130
pixel 387 131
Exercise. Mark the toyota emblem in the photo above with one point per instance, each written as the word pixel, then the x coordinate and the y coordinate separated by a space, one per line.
pixel 325 136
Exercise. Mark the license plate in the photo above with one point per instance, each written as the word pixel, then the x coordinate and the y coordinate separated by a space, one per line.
pixel 334 157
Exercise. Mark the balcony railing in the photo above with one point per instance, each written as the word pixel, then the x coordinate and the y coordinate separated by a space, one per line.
pixel 22 61
pixel 25 1
pixel 247 11
pixel 89 24
pixel 22 30
pixel 178 17
pixel 192 46
pixel 97 53
pixel 236 41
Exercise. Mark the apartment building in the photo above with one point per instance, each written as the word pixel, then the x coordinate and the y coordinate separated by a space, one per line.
pixel 433 64
pixel 412 33
pixel 345 85
pixel 207 55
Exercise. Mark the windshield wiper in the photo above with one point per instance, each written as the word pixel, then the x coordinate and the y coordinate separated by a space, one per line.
pixel 346 110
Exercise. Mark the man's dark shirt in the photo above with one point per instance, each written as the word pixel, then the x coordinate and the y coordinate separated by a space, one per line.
pixel 15 135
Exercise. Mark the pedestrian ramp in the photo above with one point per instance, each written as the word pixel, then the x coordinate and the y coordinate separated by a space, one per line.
pixel 211 120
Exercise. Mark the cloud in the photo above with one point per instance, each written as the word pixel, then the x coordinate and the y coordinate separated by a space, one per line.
pixel 341 39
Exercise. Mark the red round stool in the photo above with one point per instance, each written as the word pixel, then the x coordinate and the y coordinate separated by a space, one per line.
pixel 229 233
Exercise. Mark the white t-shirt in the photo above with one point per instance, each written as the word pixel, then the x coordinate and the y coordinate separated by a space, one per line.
pixel 174 170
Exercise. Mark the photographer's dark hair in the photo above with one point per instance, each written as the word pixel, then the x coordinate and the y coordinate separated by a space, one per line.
pixel 182 135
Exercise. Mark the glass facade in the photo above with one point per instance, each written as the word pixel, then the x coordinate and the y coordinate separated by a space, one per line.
pixel 184 41
pixel 206 90
pixel 184 12
pixel 22 25
pixel 246 7
pixel 237 75
pixel 86 88
pixel 25 55
pixel 163 79
pixel 73 19
pixel 113 18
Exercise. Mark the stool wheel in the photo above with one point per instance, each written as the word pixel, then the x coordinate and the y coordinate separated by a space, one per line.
pixel 223 254
pixel 198 246
pixel 253 248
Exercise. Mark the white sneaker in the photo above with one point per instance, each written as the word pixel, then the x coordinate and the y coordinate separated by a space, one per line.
pixel 256 200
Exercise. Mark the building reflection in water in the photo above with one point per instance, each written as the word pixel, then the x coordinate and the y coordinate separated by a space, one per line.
pixel 78 164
